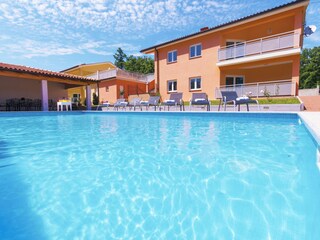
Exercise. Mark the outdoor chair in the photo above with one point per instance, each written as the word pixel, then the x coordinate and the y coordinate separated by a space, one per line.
pixel 120 103
pixel 200 99
pixel 175 100
pixel 231 97
pixel 135 102
pixel 103 105
pixel 153 101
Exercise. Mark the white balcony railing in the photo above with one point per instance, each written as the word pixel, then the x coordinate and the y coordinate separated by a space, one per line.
pixel 122 74
pixel 261 89
pixel 259 46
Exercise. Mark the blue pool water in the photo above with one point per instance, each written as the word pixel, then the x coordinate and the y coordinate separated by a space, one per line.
pixel 158 176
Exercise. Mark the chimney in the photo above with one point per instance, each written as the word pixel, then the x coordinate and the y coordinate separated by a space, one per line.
pixel 204 29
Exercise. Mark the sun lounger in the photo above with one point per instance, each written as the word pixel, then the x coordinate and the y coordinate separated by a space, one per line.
pixel 135 102
pixel 120 103
pixel 103 105
pixel 231 97
pixel 175 100
pixel 153 101
pixel 200 99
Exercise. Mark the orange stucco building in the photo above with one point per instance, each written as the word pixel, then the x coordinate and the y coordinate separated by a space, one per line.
pixel 254 53
pixel 110 83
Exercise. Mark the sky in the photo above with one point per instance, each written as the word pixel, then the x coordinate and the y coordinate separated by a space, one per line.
pixel 58 34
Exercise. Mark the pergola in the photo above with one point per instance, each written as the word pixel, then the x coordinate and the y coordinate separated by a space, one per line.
pixel 10 72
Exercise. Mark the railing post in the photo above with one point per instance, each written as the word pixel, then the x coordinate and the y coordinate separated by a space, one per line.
pixel 234 52
pixel 257 90
pixel 245 49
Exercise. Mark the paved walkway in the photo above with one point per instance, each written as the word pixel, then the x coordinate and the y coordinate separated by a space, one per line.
pixel 311 103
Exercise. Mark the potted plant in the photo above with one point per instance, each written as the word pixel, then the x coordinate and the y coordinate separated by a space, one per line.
pixel 122 93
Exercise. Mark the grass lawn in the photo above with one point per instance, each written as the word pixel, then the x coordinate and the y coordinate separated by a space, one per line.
pixel 283 100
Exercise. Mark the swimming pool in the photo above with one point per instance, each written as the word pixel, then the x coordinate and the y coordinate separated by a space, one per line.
pixel 158 176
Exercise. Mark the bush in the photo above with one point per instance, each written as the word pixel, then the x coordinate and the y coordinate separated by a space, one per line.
pixel 95 99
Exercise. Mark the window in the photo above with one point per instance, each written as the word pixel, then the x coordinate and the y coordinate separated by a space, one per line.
pixel 172 56
pixel 195 83
pixel 172 86
pixel 75 98
pixel 232 81
pixel 195 50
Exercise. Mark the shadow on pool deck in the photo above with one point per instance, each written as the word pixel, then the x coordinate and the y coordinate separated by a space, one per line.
pixel 17 220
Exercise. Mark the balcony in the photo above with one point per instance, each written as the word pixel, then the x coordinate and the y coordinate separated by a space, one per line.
pixel 280 45
pixel 277 88
pixel 119 73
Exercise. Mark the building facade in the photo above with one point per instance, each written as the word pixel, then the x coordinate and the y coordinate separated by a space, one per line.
pixel 256 55
pixel 110 83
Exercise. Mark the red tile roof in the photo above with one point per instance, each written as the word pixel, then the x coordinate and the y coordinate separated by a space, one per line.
pixel 36 71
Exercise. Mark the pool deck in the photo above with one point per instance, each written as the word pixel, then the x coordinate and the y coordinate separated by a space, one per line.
pixel 312 121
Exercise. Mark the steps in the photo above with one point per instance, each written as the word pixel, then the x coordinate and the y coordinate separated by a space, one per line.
pixel 311 103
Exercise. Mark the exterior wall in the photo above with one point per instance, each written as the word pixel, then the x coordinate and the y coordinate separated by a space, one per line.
pixel 310 91
pixel 262 28
pixel 213 76
pixel 57 91
pixel 108 91
pixel 114 86
pixel 25 88
pixel 77 90
pixel 185 68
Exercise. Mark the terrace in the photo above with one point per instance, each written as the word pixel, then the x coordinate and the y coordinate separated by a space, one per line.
pixel 261 89
pixel 279 45
pixel 119 73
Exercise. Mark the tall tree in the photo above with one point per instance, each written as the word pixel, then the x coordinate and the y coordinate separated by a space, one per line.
pixel 139 64
pixel 310 68
pixel 120 58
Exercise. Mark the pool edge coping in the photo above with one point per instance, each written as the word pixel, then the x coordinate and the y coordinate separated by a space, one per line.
pixel 312 122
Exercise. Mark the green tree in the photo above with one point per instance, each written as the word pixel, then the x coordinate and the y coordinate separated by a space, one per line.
pixel 143 65
pixel 95 99
pixel 310 67
pixel 120 58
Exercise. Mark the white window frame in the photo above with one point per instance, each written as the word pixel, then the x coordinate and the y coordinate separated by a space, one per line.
pixel 196 54
pixel 168 58
pixel 234 80
pixel 196 88
pixel 168 86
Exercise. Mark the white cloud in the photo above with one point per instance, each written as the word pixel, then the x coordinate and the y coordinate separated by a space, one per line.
pixel 315 37
pixel 121 16
pixel 65 27
pixel 28 48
